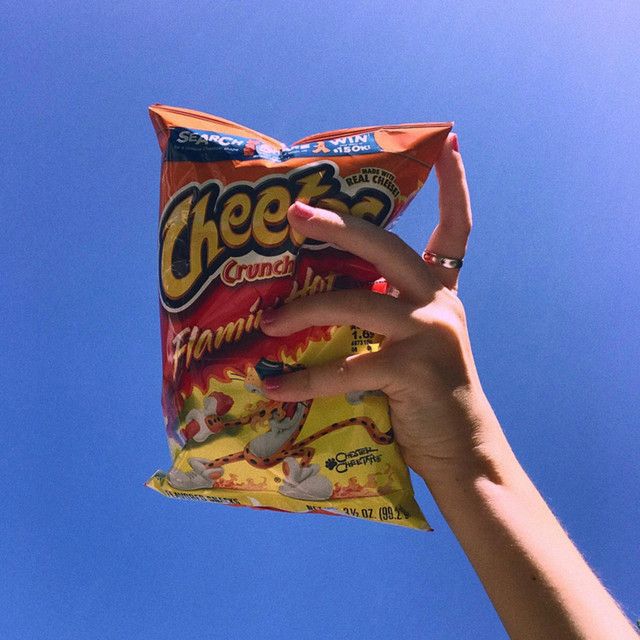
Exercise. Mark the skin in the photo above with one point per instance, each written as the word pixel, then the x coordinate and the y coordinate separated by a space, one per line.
pixel 445 427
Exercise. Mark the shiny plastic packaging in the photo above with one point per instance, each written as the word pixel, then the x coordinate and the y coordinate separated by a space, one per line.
pixel 226 253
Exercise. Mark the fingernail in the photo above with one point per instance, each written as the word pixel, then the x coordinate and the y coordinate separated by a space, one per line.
pixel 302 210
pixel 272 384
pixel 268 316
pixel 454 142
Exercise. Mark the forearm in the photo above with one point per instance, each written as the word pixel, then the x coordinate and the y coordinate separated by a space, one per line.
pixel 539 583
pixel 443 425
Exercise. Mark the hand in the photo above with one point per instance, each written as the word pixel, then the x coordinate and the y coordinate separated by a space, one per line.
pixel 446 430
pixel 425 365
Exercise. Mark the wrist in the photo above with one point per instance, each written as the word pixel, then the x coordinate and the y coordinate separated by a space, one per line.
pixel 477 449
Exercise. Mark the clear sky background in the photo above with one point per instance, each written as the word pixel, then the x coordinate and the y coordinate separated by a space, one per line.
pixel 546 102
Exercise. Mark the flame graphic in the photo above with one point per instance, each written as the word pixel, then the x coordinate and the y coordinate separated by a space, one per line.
pixel 377 484
pixel 254 347
pixel 232 482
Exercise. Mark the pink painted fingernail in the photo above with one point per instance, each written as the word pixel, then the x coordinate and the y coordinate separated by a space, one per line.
pixel 302 210
pixel 272 384
pixel 454 142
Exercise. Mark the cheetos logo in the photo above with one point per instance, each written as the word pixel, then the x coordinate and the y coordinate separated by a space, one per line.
pixel 205 226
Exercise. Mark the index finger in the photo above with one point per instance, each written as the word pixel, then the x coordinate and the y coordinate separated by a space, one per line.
pixel 393 258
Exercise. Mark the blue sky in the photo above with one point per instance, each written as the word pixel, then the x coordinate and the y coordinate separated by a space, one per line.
pixel 545 99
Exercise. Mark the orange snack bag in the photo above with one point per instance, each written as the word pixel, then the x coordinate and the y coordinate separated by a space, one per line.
pixel 226 252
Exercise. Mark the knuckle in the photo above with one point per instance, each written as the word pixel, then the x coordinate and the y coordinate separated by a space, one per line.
pixel 445 319
pixel 449 331
pixel 455 306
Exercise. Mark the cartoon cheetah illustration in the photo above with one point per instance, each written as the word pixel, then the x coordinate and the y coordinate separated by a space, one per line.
pixel 279 445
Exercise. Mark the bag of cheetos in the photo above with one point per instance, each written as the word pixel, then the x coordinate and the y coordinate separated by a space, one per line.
pixel 226 253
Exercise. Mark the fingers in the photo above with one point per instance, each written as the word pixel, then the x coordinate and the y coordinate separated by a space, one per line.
pixel 363 372
pixel 379 313
pixel 450 236
pixel 394 259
